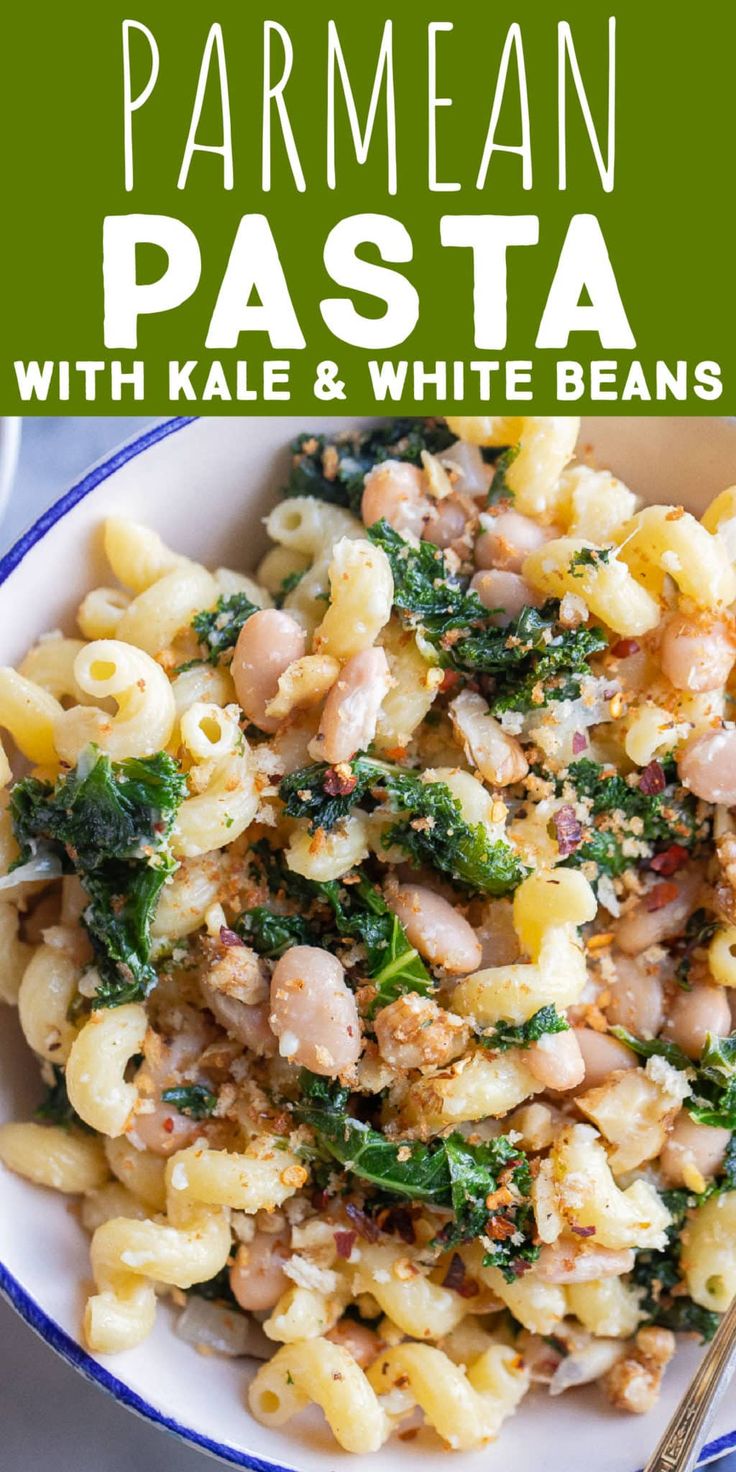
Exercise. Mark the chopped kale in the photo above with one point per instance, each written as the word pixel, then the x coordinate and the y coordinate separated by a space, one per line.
pixel 713 1077
pixel 699 931
pixel 621 811
pixel 290 582
pixel 486 1186
pixel 270 934
pixel 500 489
pixel 109 822
pixel 589 557
pixel 55 1107
pixel 506 1035
pixel 533 660
pixel 355 911
pixel 659 1276
pixel 217 1290
pixel 334 467
pixel 194 1100
pixel 217 628
pixel 433 830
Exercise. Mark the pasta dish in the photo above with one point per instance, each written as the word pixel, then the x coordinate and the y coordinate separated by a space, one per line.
pixel 372 920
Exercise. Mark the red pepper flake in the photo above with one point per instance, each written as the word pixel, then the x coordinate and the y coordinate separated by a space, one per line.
pixel 661 895
pixel 499 1229
pixel 397 1220
pixel 364 1225
pixel 450 679
pixel 169 1125
pixel 344 1243
pixel 457 1280
pixel 670 860
pixel 579 742
pixel 624 648
pixel 568 830
pixel 338 783
pixel 582 1231
pixel 652 779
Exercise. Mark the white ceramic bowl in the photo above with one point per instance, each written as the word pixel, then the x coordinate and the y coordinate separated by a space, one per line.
pixel 205 484
pixel 10 430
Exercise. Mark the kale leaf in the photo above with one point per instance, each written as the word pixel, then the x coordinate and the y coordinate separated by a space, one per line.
pixel 217 628
pixel 588 557
pixel 713 1077
pixel 194 1100
pixel 334 467
pixel 699 931
pixel 449 1173
pixel 433 832
pixel 506 1035
pixel 109 822
pixel 55 1107
pixel 271 934
pixel 620 811
pixel 533 659
pixel 217 1290
pixel 659 1276
pixel 355 911
pixel 500 489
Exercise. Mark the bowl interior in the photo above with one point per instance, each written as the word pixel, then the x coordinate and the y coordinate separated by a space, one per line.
pixel 205 485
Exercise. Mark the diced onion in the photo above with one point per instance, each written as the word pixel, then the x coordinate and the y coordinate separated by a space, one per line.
pixel 222 1330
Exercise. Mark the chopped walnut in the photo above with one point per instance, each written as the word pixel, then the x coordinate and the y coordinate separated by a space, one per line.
pixel 633 1383
pixel 413 1032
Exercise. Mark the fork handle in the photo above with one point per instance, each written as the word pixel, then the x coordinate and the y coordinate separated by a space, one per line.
pixel 679 1446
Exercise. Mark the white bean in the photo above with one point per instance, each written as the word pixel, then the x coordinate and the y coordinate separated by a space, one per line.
pixel 585 1262
pixel 697 654
pixel 557 1061
pixel 257 1276
pixel 267 644
pixel 692 1148
pixel 642 927
pixel 602 1056
pixel 497 755
pixel 413 1032
pixel 636 998
pixel 695 1013
pixel 248 1024
pixel 505 594
pixel 707 766
pixel 351 709
pixel 360 1341
pixel 313 1011
pixel 447 522
pixel 164 1130
pixel 436 929
pixel 394 491
pixel 509 540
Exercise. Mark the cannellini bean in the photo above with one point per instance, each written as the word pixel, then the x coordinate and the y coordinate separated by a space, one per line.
pixel 505 594
pixel 692 1150
pixel 164 1130
pixel 447 522
pixel 707 765
pixel 360 1341
pixel 267 644
pixel 602 1055
pixel 313 1011
pixel 351 709
pixel 248 1024
pixel 394 491
pixel 510 538
pixel 695 1013
pixel 257 1276
pixel 498 756
pixel 642 928
pixel 413 1032
pixel 436 929
pixel 697 653
pixel 557 1061
pixel 566 1261
pixel 636 998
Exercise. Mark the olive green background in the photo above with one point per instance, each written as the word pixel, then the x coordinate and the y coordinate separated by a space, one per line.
pixel 668 224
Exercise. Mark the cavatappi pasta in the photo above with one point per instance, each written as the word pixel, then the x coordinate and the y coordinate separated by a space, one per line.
pixel 372 919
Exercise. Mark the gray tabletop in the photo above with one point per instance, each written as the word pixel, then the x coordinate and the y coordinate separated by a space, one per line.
pixel 49 1416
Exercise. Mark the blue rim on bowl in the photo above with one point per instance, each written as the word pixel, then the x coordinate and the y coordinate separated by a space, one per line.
pixel 29 1310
